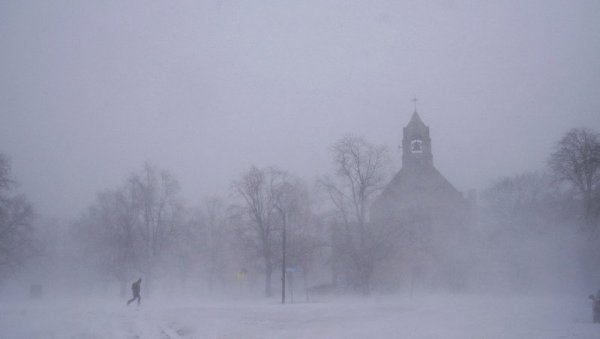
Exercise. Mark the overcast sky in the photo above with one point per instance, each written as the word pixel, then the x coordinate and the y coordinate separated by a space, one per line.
pixel 89 90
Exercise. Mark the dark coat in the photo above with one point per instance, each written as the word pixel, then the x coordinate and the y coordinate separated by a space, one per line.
pixel 135 287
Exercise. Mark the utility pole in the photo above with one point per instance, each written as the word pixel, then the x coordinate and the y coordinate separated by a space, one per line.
pixel 283 252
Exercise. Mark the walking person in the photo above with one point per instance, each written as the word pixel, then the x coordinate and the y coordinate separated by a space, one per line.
pixel 596 306
pixel 135 288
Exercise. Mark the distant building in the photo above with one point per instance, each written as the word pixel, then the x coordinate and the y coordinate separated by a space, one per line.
pixel 429 215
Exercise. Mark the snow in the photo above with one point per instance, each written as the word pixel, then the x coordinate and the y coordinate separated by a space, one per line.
pixel 425 316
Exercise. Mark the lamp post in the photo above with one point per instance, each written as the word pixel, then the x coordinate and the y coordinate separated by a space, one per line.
pixel 283 262
pixel 283 252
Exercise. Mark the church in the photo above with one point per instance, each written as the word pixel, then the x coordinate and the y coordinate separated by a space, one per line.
pixel 430 217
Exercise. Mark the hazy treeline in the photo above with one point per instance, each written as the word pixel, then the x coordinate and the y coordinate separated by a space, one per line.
pixel 530 229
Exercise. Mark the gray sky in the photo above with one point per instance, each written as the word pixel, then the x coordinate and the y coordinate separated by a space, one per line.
pixel 91 90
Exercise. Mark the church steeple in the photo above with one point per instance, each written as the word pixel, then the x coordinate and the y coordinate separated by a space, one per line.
pixel 416 143
pixel 414 100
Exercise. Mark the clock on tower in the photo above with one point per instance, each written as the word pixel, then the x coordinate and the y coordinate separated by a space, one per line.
pixel 416 146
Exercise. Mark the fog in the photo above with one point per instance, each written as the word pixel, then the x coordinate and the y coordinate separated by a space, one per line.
pixel 209 88
pixel 135 136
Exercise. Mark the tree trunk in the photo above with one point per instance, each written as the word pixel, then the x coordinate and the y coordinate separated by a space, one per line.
pixel 365 286
pixel 588 202
pixel 268 273
pixel 365 279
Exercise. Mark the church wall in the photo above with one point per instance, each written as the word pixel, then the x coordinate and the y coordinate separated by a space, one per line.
pixel 431 219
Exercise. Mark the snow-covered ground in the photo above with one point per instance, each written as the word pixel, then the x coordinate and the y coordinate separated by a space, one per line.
pixel 430 316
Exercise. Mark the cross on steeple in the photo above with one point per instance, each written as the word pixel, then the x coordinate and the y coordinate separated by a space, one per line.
pixel 414 100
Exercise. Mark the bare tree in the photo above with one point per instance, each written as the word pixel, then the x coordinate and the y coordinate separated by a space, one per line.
pixel 361 171
pixel 108 233
pixel 521 230
pixel 576 160
pixel 128 231
pixel 16 218
pixel 299 239
pixel 523 203
pixel 211 237
pixel 261 192
pixel 160 214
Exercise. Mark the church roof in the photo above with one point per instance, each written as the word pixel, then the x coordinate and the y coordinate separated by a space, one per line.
pixel 418 191
pixel 420 182
pixel 416 121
